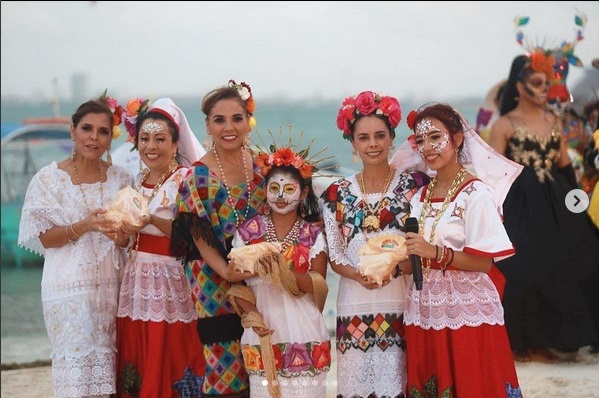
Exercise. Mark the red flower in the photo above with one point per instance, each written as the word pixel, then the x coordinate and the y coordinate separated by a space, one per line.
pixel 412 141
pixel 284 157
pixel 365 103
pixel 390 106
pixel 321 355
pixel 411 119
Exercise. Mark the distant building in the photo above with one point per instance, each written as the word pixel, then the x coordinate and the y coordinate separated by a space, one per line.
pixel 80 87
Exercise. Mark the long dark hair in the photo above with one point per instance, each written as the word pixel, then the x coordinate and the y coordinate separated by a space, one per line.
pixel 518 72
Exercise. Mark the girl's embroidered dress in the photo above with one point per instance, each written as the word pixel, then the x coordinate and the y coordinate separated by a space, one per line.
pixel 204 209
pixel 301 341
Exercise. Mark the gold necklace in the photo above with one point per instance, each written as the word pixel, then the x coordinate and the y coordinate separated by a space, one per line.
pixel 149 198
pixel 370 220
pixel 87 207
pixel 238 220
pixel 427 206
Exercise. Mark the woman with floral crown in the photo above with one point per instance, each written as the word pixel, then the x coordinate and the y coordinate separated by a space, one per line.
pixel 64 219
pixel 457 344
pixel 224 189
pixel 551 295
pixel 285 344
pixel 371 358
pixel 159 351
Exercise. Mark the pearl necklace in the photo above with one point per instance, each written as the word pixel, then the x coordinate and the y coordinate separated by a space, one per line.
pixel 370 220
pixel 88 209
pixel 427 207
pixel 230 200
pixel 292 236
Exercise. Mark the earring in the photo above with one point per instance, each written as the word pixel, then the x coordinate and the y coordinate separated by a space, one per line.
pixel 516 98
pixel 208 143
pixel 356 158
pixel 267 210
pixel 108 156
pixel 246 142
pixel 174 162
pixel 73 152
pixel 302 210
pixel 456 155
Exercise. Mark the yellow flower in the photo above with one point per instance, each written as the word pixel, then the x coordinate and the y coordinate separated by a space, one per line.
pixel 116 132
pixel 252 122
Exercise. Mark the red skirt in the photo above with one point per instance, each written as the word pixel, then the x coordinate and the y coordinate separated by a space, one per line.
pixel 469 362
pixel 159 359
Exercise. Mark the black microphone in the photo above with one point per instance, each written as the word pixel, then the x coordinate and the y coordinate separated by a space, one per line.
pixel 412 226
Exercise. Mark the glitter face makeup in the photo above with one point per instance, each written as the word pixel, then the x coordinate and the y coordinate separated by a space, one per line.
pixel 427 131
pixel 151 128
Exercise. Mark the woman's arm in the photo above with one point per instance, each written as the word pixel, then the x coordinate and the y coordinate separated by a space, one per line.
pixel 59 236
pixel 318 264
pixel 214 259
pixel 498 134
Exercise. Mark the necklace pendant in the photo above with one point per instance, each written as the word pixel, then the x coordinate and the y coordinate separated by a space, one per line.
pixel 371 223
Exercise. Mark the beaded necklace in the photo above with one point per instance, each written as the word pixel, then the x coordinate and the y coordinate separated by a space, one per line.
pixel 427 208
pixel 370 221
pixel 230 200
pixel 149 198
pixel 271 234
pixel 87 207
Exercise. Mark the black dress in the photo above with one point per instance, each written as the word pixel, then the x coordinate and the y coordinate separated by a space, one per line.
pixel 552 291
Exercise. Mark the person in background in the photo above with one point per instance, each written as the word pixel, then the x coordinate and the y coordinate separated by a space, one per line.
pixel 371 358
pixel 159 351
pixel 457 344
pixel 551 294
pixel 63 220
pixel 224 189
pixel 281 309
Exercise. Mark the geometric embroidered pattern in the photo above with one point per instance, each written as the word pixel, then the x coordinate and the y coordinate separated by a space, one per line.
pixel 366 331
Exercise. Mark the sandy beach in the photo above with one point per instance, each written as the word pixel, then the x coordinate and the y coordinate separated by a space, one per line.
pixel 537 380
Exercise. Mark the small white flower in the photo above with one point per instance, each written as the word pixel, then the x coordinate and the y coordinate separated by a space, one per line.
pixel 244 93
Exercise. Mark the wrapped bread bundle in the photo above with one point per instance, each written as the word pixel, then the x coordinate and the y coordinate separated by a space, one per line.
pixel 129 207
pixel 252 258
pixel 380 255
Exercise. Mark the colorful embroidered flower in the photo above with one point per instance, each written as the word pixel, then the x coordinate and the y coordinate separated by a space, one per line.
pixel 364 104
pixel 300 258
pixel 251 357
pixel 296 358
pixel 321 354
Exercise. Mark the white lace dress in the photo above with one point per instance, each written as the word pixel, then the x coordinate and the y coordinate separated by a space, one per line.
pixel 79 281
pixel 371 356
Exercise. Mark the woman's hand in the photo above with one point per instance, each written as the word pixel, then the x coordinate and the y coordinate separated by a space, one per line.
pixel 232 275
pixel 416 245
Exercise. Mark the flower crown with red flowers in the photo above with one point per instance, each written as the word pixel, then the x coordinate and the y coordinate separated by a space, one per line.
pixel 245 92
pixel 117 111
pixel 364 104
pixel 135 108
pixel 287 155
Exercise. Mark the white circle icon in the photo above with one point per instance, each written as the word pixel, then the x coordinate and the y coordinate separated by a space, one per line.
pixel 577 201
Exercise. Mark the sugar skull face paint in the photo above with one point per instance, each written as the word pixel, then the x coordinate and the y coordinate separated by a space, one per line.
pixel 283 192
pixel 426 130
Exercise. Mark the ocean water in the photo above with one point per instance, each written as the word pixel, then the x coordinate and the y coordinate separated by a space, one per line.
pixel 22 320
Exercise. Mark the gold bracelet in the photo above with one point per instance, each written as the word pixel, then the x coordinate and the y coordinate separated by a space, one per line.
pixel 75 233
pixel 66 229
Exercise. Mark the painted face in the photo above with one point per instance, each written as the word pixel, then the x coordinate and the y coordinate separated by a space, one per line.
pixel 429 130
pixel 283 192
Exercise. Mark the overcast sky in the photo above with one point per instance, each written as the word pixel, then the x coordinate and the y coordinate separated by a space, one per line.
pixel 328 50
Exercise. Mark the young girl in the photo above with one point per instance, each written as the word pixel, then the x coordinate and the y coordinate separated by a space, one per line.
pixel 285 324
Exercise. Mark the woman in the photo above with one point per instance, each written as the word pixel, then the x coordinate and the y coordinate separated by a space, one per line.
pixel 224 189
pixel 457 344
pixel 371 358
pixel 62 220
pixel 159 352
pixel 551 293
pixel 281 310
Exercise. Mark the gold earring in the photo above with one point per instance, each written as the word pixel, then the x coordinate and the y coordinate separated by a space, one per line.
pixel 108 156
pixel 174 162
pixel 356 158
pixel 267 210
pixel 456 155
pixel 73 152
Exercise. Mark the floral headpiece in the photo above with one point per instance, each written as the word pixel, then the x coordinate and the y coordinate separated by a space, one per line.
pixel 288 156
pixel 245 92
pixel 364 104
pixel 134 108
pixel 554 61
pixel 117 111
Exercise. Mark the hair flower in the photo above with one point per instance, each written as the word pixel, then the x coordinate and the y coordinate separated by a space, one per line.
pixel 411 119
pixel 364 104
pixel 412 142
pixel 116 110
pixel 135 106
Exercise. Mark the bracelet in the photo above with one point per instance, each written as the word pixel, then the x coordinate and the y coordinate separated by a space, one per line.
pixel 74 233
pixel 66 229
pixel 397 272
pixel 440 260
pixel 452 254
pixel 436 252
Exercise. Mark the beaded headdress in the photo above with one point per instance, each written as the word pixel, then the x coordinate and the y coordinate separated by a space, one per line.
pixel 245 92
pixel 364 104
pixel 288 155
pixel 117 111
